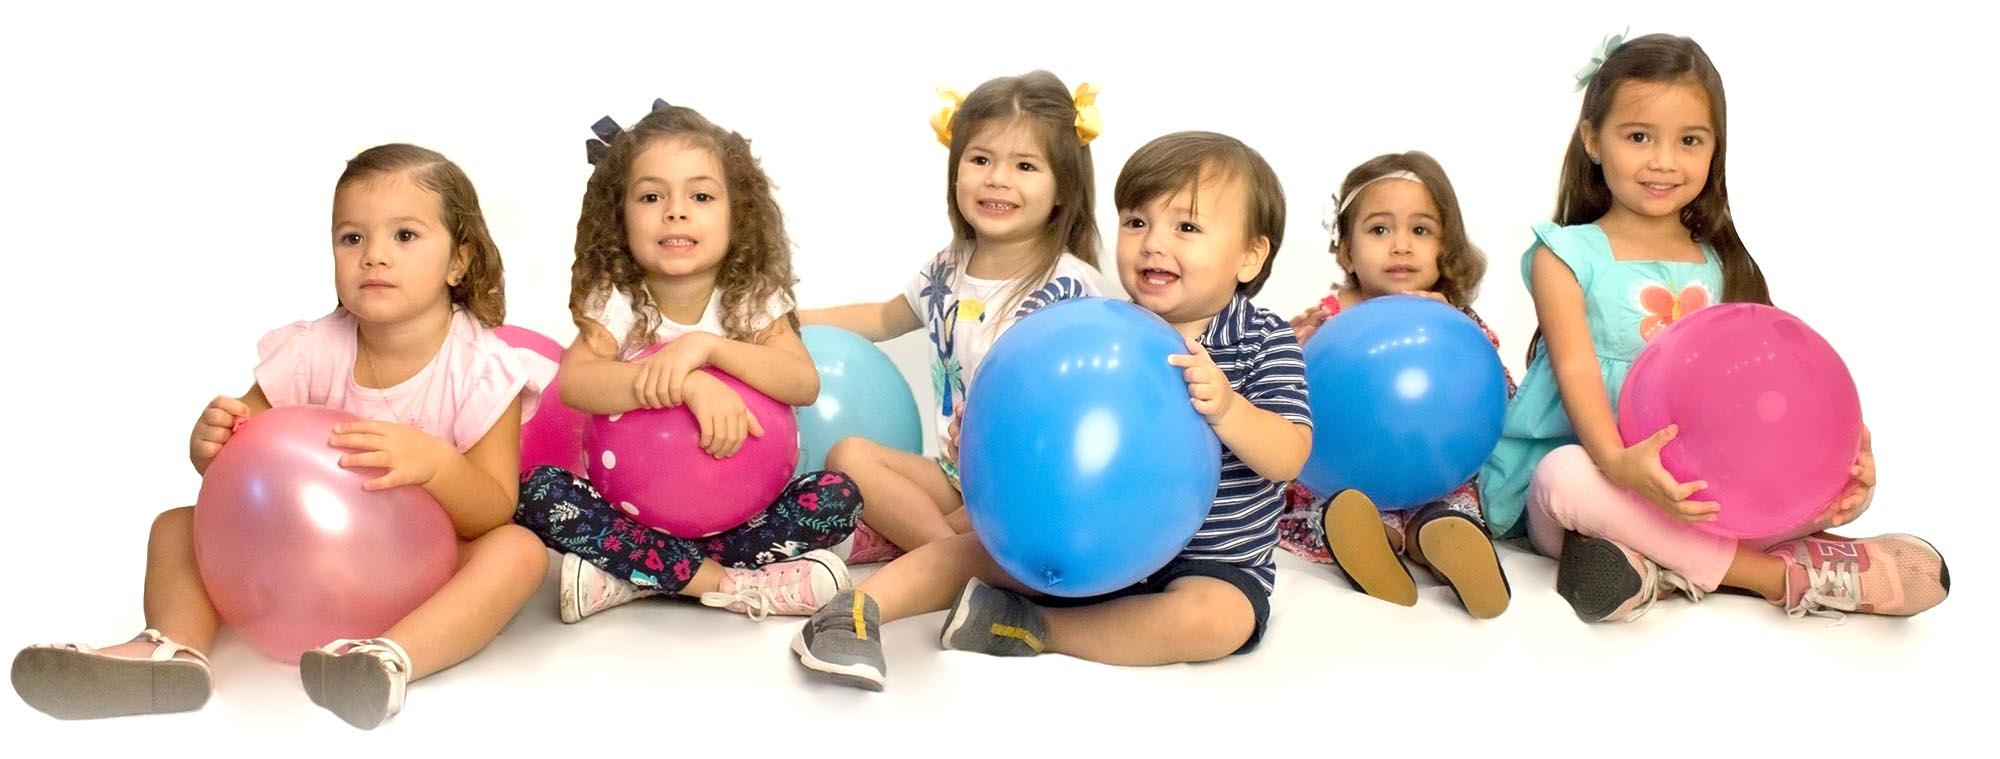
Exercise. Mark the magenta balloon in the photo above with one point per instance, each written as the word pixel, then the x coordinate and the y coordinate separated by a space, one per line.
pixel 295 554
pixel 649 463
pixel 554 435
pixel 1768 415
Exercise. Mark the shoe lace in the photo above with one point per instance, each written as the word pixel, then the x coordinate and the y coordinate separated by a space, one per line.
pixel 1830 589
pixel 754 602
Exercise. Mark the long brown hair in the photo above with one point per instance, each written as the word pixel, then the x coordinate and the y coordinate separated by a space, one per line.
pixel 483 289
pixel 757 266
pixel 1583 196
pixel 1178 162
pixel 1041 100
pixel 1461 265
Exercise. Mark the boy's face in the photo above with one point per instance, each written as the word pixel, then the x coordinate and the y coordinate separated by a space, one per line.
pixel 1182 255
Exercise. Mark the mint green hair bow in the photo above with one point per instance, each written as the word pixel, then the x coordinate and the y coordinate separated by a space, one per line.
pixel 1611 43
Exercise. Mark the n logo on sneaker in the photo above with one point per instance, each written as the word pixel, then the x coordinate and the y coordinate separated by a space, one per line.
pixel 1825 551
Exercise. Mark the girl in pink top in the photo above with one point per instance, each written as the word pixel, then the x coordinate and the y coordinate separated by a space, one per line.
pixel 410 347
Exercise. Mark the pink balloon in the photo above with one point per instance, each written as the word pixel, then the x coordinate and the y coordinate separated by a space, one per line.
pixel 554 435
pixel 295 554
pixel 649 463
pixel 1768 415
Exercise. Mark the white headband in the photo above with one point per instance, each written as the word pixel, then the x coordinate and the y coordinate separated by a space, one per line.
pixel 1349 200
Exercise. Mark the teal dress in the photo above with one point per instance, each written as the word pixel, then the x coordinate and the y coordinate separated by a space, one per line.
pixel 1626 303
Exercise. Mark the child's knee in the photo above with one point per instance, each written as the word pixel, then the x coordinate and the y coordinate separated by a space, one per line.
pixel 174 525
pixel 851 452
pixel 522 549
pixel 1213 616
pixel 1557 479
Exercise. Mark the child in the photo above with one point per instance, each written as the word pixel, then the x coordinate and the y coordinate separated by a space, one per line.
pixel 1019 188
pixel 681 240
pixel 410 347
pixel 1397 229
pixel 1201 216
pixel 1643 234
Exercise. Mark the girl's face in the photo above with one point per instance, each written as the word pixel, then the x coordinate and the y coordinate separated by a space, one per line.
pixel 1655 146
pixel 393 259
pixel 1394 241
pixel 676 210
pixel 1004 188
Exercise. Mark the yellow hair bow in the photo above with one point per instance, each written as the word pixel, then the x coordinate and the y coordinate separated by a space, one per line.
pixel 1089 123
pixel 941 121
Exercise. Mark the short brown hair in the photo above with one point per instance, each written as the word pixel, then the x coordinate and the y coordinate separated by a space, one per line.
pixel 1179 161
pixel 483 289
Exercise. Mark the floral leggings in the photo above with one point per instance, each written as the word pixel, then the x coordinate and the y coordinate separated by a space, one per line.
pixel 817 510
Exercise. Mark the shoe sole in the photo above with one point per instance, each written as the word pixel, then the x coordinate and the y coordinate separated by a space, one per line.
pixel 567 605
pixel 857 675
pixel 68 684
pixel 1460 551
pixel 1360 547
pixel 1594 577
pixel 355 688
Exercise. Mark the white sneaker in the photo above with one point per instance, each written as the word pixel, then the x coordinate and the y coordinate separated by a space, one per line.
pixel 587 590
pixel 794 587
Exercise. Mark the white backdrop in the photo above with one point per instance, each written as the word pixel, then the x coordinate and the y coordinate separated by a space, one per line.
pixel 168 173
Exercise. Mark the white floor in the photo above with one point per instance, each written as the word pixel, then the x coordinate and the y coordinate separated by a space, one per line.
pixel 1338 669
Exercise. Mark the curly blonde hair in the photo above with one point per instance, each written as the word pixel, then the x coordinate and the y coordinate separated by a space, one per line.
pixel 757 266
pixel 1461 265
pixel 483 289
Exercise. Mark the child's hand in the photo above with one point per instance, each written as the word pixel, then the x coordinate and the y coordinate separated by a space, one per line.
pixel 1860 490
pixel 951 437
pixel 411 456
pixel 1207 385
pixel 1638 469
pixel 1304 325
pixel 662 381
pixel 217 424
pixel 724 420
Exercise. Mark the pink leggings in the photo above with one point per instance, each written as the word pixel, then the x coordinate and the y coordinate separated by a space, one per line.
pixel 1568 492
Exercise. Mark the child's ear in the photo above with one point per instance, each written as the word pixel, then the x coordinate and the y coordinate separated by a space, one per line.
pixel 1253 259
pixel 1588 132
pixel 1342 256
pixel 461 260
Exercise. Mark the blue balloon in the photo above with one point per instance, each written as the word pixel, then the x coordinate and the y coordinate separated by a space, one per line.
pixel 1407 400
pixel 860 394
pixel 1085 466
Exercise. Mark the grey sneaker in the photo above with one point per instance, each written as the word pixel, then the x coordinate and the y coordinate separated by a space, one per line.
pixel 1607 582
pixel 989 620
pixel 583 590
pixel 843 640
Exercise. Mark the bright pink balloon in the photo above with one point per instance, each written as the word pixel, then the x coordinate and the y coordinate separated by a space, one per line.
pixel 295 554
pixel 1768 415
pixel 554 435
pixel 649 463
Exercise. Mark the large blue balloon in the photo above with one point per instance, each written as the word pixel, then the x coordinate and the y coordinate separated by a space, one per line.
pixel 1407 400
pixel 860 394
pixel 1085 466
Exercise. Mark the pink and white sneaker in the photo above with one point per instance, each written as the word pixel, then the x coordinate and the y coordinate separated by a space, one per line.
pixel 868 546
pixel 1897 575
pixel 793 587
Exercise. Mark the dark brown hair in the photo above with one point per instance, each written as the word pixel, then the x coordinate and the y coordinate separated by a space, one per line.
pixel 757 266
pixel 482 290
pixel 1178 162
pixel 1461 265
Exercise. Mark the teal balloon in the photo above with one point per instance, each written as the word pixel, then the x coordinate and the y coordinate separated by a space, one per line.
pixel 861 394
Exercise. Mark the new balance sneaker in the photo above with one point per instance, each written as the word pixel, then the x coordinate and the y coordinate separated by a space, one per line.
pixel 1897 575
pixel 1607 582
